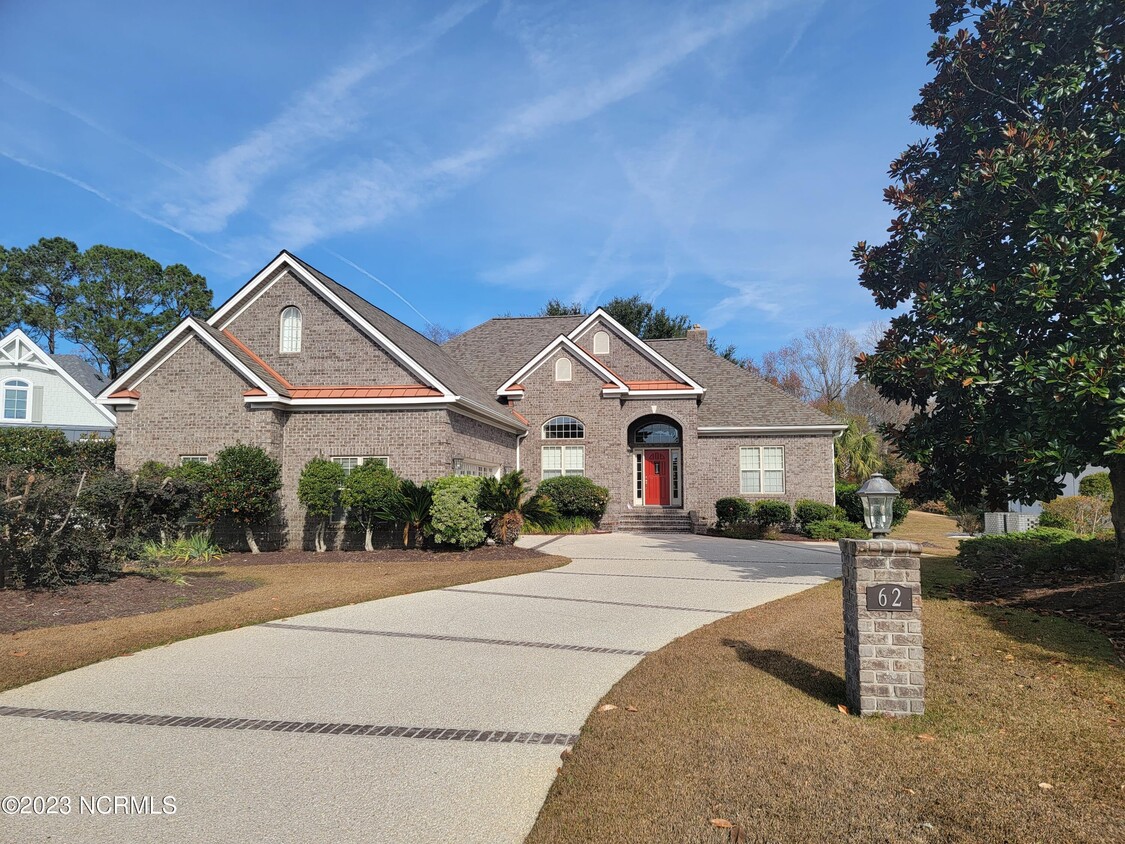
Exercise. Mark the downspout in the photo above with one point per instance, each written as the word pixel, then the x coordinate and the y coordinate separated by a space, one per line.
pixel 834 438
pixel 519 438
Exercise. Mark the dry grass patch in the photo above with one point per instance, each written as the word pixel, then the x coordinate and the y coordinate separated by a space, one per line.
pixel 282 591
pixel 739 721
pixel 930 530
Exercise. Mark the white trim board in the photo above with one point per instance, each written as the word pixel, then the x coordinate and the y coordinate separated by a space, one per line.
pixel 753 430
pixel 269 275
pixel 641 346
pixel 574 349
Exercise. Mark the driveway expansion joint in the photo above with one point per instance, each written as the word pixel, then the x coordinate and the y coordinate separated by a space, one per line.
pixel 318 727
pixel 589 601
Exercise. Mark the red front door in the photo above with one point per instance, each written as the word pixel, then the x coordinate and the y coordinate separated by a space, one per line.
pixel 657 477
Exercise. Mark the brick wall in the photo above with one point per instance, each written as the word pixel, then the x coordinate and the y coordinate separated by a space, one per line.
pixel 623 359
pixel 333 351
pixel 474 440
pixel 809 469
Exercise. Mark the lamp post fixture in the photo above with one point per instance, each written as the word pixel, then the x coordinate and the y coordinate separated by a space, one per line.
pixel 878 497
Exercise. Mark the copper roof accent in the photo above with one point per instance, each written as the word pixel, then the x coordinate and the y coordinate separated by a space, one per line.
pixel 254 392
pixel 125 394
pixel 258 360
pixel 521 417
pixel 517 387
pixel 395 391
pixel 656 385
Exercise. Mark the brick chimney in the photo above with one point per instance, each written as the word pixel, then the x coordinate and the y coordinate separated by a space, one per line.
pixel 697 334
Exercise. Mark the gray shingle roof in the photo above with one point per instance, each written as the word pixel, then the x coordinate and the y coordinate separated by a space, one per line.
pixel 82 372
pixel 735 396
pixel 496 350
pixel 430 356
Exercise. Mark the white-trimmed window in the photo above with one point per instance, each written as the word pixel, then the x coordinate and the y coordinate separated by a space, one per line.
pixel 761 469
pixel 601 343
pixel 563 460
pixel 17 400
pixel 193 458
pixel 563 369
pixel 350 463
pixel 291 329
pixel 474 468
pixel 564 428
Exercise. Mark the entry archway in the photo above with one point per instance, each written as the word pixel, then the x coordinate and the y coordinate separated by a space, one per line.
pixel 656 452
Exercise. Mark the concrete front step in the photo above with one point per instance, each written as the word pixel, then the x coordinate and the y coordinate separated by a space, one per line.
pixel 653 522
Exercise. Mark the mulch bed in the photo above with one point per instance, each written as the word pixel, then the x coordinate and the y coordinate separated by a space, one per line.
pixel 1095 602
pixel 484 554
pixel 127 595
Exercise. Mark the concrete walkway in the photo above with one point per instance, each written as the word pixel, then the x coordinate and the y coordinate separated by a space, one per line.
pixel 437 716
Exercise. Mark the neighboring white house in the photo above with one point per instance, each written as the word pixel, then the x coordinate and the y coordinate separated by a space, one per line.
pixel 1070 487
pixel 39 390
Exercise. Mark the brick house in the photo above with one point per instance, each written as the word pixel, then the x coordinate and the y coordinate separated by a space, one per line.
pixel 302 366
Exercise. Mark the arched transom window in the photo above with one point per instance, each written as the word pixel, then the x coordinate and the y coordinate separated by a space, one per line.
pixel 564 428
pixel 654 431
pixel 291 329
pixel 563 369
pixel 16 394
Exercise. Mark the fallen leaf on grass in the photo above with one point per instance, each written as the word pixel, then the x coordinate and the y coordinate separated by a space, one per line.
pixel 17 653
pixel 1046 786
pixel 630 709
pixel 910 791
pixel 606 707
pixel 721 823
pixel 843 708
pixel 1009 658
pixel 924 737
pixel 566 754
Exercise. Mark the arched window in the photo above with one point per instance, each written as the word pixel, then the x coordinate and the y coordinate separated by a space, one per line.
pixel 291 329
pixel 601 343
pixel 564 428
pixel 563 369
pixel 654 431
pixel 16 402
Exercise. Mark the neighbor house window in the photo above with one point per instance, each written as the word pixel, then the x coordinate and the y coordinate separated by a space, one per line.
pixel 564 428
pixel 16 402
pixel 601 343
pixel 562 369
pixel 192 458
pixel 291 329
pixel 761 469
pixel 563 460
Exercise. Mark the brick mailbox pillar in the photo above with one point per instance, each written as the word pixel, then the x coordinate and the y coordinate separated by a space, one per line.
pixel 883 657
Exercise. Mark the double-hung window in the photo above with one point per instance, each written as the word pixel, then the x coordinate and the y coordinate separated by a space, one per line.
pixel 563 460
pixel 761 469
pixel 17 395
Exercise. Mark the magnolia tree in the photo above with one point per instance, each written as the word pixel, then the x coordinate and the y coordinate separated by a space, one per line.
pixel 1006 252
pixel 319 490
pixel 242 487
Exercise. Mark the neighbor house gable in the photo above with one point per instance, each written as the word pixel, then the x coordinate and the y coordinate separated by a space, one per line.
pixel 57 398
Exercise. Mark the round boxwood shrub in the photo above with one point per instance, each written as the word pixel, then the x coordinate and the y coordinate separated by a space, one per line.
pixel 769 512
pixel 807 511
pixel 733 511
pixel 1096 485
pixel 835 529
pixel 455 518
pixel 576 496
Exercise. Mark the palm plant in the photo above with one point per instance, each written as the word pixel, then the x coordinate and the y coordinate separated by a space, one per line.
pixel 504 500
pixel 858 454
pixel 411 507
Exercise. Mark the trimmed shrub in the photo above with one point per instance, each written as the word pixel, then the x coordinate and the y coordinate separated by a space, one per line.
pixel 318 489
pixel 1096 485
pixel 1084 514
pixel 36 450
pixel 733 511
pixel 371 494
pixel 243 488
pixel 95 454
pixel 455 518
pixel 806 511
pixel 835 529
pixel 770 513
pixel 576 495
pixel 938 507
pixel 1042 549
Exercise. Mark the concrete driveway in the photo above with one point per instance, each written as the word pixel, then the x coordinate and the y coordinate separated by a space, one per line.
pixel 437 716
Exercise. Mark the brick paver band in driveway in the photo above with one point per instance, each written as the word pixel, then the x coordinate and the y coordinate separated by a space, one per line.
pixel 433 716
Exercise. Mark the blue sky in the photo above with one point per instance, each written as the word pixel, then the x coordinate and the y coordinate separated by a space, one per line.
pixel 719 158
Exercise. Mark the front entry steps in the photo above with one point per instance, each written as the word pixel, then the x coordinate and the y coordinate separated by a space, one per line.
pixel 653 521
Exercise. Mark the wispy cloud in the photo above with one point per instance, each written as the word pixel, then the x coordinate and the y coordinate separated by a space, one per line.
pixel 516 272
pixel 34 93
pixel 361 196
pixel 326 111
pixel 117 203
